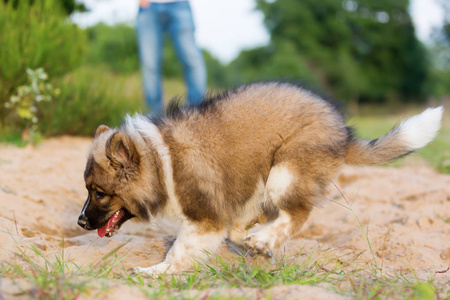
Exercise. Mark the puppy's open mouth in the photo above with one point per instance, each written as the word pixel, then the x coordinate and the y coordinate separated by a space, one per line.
pixel 112 226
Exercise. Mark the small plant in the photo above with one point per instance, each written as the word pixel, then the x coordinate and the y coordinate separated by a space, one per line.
pixel 24 104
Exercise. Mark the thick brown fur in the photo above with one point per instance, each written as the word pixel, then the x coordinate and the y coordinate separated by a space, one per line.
pixel 262 153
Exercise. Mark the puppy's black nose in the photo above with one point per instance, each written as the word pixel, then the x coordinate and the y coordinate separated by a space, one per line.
pixel 82 220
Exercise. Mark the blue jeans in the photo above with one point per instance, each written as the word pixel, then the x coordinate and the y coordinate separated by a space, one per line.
pixel 176 19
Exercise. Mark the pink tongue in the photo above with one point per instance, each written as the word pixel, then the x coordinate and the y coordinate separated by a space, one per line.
pixel 109 226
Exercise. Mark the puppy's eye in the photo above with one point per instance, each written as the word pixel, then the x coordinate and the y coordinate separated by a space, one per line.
pixel 99 195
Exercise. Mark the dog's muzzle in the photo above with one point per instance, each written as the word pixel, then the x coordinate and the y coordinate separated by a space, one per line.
pixel 82 219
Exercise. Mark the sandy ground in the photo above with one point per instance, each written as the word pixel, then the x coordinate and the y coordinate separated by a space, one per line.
pixel 407 210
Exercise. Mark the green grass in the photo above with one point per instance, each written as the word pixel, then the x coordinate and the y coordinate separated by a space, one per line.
pixel 59 277
pixel 396 287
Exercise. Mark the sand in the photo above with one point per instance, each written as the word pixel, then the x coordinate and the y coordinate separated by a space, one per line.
pixel 405 211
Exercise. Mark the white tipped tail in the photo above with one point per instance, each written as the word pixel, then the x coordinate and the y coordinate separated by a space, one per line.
pixel 421 129
pixel 412 134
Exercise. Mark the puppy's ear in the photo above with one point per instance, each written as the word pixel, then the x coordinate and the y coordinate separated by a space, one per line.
pixel 100 130
pixel 122 153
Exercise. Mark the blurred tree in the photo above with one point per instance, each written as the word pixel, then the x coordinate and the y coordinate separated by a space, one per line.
pixel 114 46
pixel 215 70
pixel 69 6
pixel 33 36
pixel 72 5
pixel 446 24
pixel 439 82
pixel 265 63
pixel 441 39
pixel 362 50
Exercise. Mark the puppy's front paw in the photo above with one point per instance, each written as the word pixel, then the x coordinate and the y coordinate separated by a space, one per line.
pixel 152 271
pixel 256 244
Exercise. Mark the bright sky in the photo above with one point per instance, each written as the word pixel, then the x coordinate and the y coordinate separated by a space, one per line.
pixel 226 27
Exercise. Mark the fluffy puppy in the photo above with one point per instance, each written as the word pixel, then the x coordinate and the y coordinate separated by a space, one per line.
pixel 261 153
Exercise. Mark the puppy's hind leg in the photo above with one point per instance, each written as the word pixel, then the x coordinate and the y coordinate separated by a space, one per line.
pixel 194 242
pixel 293 197
pixel 267 239
pixel 239 230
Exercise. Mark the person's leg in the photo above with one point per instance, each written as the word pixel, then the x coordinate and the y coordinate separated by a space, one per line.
pixel 181 30
pixel 150 36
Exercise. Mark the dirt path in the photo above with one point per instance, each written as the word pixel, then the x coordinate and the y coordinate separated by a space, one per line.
pixel 407 210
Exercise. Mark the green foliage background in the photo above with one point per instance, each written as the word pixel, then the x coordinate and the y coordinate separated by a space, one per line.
pixel 362 50
pixel 33 36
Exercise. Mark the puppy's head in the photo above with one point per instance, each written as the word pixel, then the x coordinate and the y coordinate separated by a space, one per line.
pixel 113 179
